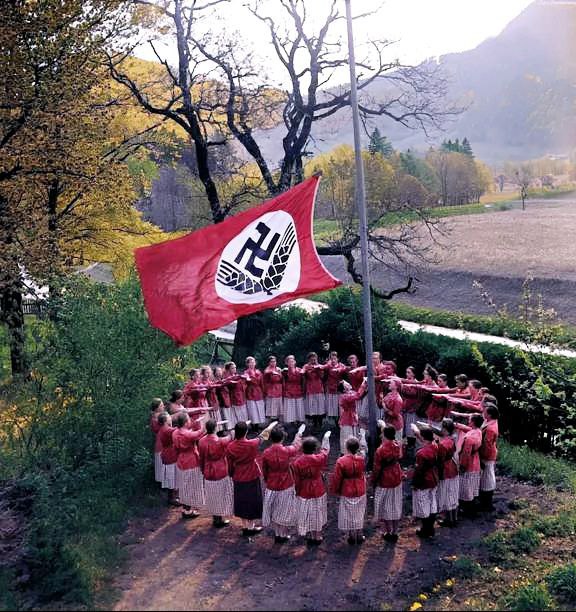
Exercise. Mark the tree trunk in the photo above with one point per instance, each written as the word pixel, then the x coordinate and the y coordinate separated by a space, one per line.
pixel 13 317
pixel 250 331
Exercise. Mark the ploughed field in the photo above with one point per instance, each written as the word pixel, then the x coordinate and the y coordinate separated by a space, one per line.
pixel 500 250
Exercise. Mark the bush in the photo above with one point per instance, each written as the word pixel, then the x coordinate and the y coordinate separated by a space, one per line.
pixel 77 434
pixel 503 547
pixel 466 568
pixel 562 583
pixel 528 597
pixel 524 540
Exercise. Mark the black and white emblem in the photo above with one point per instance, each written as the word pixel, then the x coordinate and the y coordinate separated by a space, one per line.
pixel 261 262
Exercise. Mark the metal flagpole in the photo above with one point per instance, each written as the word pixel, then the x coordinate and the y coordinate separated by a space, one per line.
pixel 361 204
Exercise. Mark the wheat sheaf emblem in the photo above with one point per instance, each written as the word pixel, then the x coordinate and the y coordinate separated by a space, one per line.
pixel 238 280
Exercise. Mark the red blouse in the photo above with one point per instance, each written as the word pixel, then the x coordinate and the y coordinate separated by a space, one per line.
pixel 169 453
pixel 276 461
pixel 293 379
pixel 307 470
pixel 272 382
pixel 242 459
pixel 489 450
pixel 356 377
pixel 447 467
pixel 334 374
pixel 155 427
pixel 426 470
pixel 185 441
pixel 254 385
pixel 469 453
pixel 348 412
pixel 348 479
pixel 237 390
pixel 195 395
pixel 393 410
pixel 387 473
pixel 313 379
pixel 213 462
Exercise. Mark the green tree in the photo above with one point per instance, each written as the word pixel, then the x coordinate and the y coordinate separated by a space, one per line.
pixel 379 144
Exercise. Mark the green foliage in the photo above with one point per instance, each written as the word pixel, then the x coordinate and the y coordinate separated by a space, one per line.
pixel 531 596
pixel 526 464
pixel 76 436
pixel 505 547
pixel 466 568
pixel 562 583
pixel 380 144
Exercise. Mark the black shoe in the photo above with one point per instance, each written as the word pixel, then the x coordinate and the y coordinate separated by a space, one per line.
pixel 393 538
pixel 281 539
pixel 246 532
pixel 255 530
pixel 360 539
pixel 351 540
pixel 190 515
pixel 221 523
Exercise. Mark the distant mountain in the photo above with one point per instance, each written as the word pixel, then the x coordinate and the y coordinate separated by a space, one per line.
pixel 520 87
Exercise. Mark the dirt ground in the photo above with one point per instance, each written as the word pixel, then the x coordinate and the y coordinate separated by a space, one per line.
pixel 178 565
pixel 501 250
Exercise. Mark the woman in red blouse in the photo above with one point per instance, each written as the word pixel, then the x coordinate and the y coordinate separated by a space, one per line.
pixel 272 384
pixel 315 398
pixel 169 457
pixel 449 483
pixel 393 405
pixel 236 386
pixel 387 480
pixel 311 500
pixel 334 372
pixel 293 404
pixel 349 483
pixel 254 392
pixel 157 408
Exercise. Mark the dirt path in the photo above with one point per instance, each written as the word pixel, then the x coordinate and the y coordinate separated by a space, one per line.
pixel 176 565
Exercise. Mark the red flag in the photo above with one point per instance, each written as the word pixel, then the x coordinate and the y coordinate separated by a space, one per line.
pixel 255 260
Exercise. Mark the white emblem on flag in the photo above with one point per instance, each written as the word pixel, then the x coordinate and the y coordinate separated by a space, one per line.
pixel 261 262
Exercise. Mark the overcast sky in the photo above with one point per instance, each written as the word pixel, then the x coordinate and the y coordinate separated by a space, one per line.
pixel 423 28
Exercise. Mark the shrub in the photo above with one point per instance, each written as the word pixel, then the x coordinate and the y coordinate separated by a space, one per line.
pixel 496 545
pixel 504 547
pixel 466 568
pixel 529 597
pixel 562 583
pixel 524 540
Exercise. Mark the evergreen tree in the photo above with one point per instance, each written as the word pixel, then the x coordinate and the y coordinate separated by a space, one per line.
pixel 466 148
pixel 379 144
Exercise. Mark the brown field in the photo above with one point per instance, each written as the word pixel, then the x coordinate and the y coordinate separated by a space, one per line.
pixel 500 250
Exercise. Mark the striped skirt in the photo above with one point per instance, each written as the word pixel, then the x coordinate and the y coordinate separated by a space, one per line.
pixel 351 512
pixel 219 496
pixel 311 514
pixel 488 478
pixel 158 467
pixel 332 405
pixel 248 499
pixel 273 406
pixel 279 508
pixel 293 410
pixel 409 419
pixel 363 411
pixel 316 404
pixel 388 503
pixel 256 412
pixel 190 485
pixel 424 502
pixel 228 415
pixel 469 486
pixel 169 477
pixel 238 413
pixel 346 431
pixel 447 494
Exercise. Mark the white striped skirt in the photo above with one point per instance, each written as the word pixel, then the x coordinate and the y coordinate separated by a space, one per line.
pixel 274 406
pixel 469 486
pixel 332 405
pixel 311 514
pixel 190 485
pixel 316 404
pixel 388 503
pixel 424 502
pixel 488 478
pixel 409 419
pixel 351 512
pixel 238 413
pixel 448 492
pixel 279 508
pixel 256 411
pixel 227 415
pixel 158 467
pixel 346 431
pixel 293 410
pixel 219 496
pixel 363 409
pixel 169 476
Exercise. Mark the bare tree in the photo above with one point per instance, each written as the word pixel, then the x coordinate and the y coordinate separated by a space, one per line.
pixel 216 92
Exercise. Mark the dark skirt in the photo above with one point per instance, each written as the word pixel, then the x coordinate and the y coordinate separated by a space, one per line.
pixel 248 499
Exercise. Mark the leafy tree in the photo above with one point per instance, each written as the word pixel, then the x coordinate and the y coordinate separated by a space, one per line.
pixel 466 148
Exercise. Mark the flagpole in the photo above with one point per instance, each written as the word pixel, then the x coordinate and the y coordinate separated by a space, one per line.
pixel 361 204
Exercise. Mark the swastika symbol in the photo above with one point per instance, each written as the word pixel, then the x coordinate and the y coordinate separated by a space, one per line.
pixel 257 251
